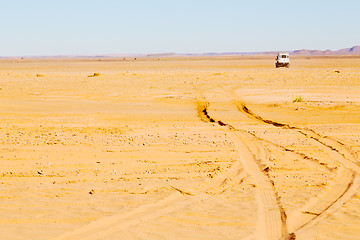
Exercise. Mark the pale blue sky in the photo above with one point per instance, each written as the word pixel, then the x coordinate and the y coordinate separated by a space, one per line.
pixel 89 27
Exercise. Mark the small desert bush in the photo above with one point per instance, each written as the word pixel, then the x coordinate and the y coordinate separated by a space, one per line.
pixel 298 99
pixel 94 75
pixel 40 75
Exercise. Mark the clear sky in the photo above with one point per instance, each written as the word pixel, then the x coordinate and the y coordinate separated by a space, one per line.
pixel 91 27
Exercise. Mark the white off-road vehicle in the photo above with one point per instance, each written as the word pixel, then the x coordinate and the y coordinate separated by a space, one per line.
pixel 282 60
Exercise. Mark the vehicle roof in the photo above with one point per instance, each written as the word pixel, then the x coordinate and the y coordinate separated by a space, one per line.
pixel 283 53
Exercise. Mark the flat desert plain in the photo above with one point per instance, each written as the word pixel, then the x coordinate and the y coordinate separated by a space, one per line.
pixel 180 148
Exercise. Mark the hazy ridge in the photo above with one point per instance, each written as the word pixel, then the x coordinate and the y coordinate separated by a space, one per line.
pixel 355 50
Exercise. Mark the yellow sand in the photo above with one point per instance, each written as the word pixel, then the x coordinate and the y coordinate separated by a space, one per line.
pixel 180 148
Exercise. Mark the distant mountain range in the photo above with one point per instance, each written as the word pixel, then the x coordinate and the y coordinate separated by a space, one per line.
pixel 303 52
pixel 346 51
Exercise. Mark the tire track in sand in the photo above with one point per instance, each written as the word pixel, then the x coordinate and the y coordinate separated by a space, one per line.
pixel 348 157
pixel 271 215
pixel 107 226
pixel 104 227
pixel 342 190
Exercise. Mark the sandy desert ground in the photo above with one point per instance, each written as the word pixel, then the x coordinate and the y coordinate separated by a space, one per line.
pixel 180 148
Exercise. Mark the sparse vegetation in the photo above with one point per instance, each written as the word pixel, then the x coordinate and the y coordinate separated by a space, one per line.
pixel 94 75
pixel 298 99
pixel 40 75
pixel 174 130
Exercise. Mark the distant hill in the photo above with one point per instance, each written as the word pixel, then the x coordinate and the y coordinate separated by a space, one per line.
pixel 346 51
pixel 161 55
pixel 349 51
pixel 302 52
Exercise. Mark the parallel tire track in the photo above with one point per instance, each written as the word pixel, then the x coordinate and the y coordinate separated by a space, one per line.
pixel 345 187
pixel 271 215
pixel 104 227
pixel 325 203
pixel 107 226
pixel 334 145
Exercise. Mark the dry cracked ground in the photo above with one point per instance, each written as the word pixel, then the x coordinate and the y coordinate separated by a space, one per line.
pixel 180 148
